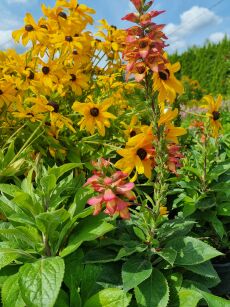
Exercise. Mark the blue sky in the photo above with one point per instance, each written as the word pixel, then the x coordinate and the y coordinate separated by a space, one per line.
pixel 188 22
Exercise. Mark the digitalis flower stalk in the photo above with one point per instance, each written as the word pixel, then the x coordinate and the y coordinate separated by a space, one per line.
pixel 148 63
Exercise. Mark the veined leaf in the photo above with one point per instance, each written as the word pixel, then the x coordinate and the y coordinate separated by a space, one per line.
pixel 111 297
pixel 11 295
pixel 134 271
pixel 154 291
pixel 40 281
pixel 192 251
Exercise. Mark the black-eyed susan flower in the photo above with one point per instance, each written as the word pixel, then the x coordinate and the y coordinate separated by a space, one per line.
pixel 138 154
pixel 95 115
pixel 214 113
pixel 166 84
pixel 7 93
pixel 30 32
pixel 171 132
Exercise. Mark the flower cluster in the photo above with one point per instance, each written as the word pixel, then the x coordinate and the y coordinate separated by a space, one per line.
pixel 112 190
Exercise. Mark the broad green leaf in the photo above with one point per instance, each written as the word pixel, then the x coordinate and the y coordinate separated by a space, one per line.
pixel 6 272
pixel 74 268
pixel 111 297
pixel 204 269
pixel 206 203
pixel 189 298
pixel 89 229
pixel 154 291
pixel 168 254
pixel 48 183
pixel 192 251
pixel 9 189
pixel 7 257
pixel 61 170
pixel 40 281
pixel 80 200
pixel 11 295
pixel 89 278
pixel 25 202
pixel 213 300
pixel 134 271
pixel 219 169
pixel 62 300
pixel 47 222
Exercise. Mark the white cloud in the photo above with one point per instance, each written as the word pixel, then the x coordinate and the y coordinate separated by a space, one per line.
pixel 191 21
pixel 6 40
pixel 217 37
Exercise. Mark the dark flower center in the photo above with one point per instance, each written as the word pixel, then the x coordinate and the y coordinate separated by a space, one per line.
pixel 94 112
pixel 75 52
pixel 164 75
pixel 1 92
pixel 29 28
pixel 98 40
pixel 143 45
pixel 69 38
pixel 54 105
pixel 142 153
pixel 76 35
pixel 63 15
pixel 216 115
pixel 132 133
pixel 31 75
pixel 73 77
pixel 140 69
pixel 114 27
pixel 45 70
pixel 44 27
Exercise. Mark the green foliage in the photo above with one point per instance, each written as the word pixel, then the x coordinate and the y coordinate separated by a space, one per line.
pixel 209 65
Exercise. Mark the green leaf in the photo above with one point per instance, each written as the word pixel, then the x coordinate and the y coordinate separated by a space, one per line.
pixel 218 170
pixel 61 170
pixel 48 183
pixel 89 229
pixel 25 202
pixel 134 271
pixel 6 272
pixel 62 300
pixel 204 269
pixel 213 300
pixel 223 209
pixel 168 254
pixel 11 295
pixel 74 268
pixel 192 251
pixel 154 291
pixel 40 281
pixel 7 257
pixel 189 298
pixel 47 222
pixel 9 189
pixel 111 297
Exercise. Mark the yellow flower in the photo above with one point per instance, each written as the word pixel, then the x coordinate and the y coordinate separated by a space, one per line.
pixel 76 80
pixel 80 9
pixel 30 32
pixel 213 113
pixel 163 210
pixel 138 154
pixel 7 93
pixel 166 83
pixel 95 115
pixel 171 132
pixel 49 74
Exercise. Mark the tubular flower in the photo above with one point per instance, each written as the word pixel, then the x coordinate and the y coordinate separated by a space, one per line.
pixel 174 157
pixel 113 191
pixel 166 83
pixel 214 113
pixel 30 32
pixel 95 115
pixel 138 154
pixel 144 42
